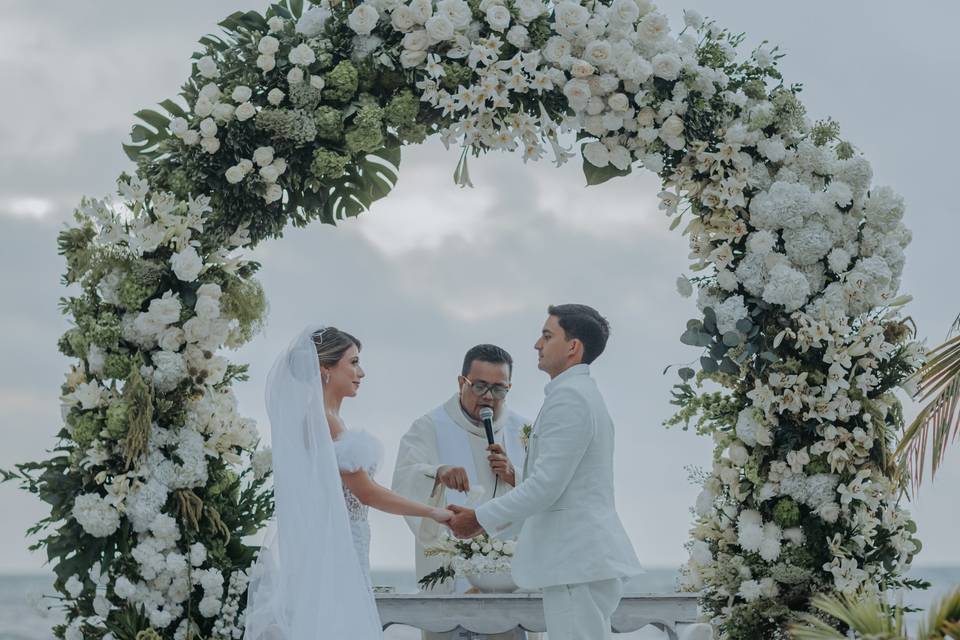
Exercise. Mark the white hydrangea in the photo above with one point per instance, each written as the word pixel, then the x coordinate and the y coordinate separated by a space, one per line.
pixel 96 515
pixel 312 22
pixel 808 244
pixel 729 312
pixel 786 286
pixel 782 206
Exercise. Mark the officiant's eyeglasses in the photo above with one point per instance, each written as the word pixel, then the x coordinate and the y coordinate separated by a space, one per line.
pixel 498 391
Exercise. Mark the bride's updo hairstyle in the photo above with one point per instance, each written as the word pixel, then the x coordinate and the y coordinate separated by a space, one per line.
pixel 331 343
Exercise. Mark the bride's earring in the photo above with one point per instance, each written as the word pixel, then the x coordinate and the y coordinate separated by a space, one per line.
pixel 326 378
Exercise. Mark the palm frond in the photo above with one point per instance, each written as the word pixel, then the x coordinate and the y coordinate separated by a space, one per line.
pixel 865 614
pixel 938 422
pixel 944 620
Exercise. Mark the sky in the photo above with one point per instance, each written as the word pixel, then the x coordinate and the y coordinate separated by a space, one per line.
pixel 434 269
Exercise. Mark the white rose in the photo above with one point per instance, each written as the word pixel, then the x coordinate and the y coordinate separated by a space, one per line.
pixel 186 264
pixel 738 453
pixel 402 18
pixel 191 138
pixel 241 94
pixel 581 69
pixel 203 107
pixel 570 16
pixel 280 165
pixel 439 28
pixel 266 63
pixel 234 174
pixel 268 45
pixel 312 22
pixel 557 49
pixel 363 19
pixel 179 126
pixel 275 24
pixel 302 55
pixel 530 10
pixel 208 128
pixel 410 58
pixel 210 145
pixel 597 154
pixel 295 76
pixel 692 19
pixel 210 91
pixel 171 339
pixel 263 156
pixel 457 11
pixel 275 97
pixel 518 36
pixel 222 112
pixel 625 12
pixel 422 9
pixel 208 68
pixel 245 111
pixel 316 82
pixel 498 17
pixel 618 102
pixel 274 192
pixel 269 173
pixel 246 166
pixel 577 93
pixel 667 66
pixel 417 41
pixel 620 157
pixel 598 52
pixel 672 127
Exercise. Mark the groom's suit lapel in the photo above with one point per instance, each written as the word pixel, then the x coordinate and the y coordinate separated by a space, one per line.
pixel 531 447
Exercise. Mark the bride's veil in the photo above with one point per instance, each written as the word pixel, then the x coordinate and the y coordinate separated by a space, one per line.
pixel 307 582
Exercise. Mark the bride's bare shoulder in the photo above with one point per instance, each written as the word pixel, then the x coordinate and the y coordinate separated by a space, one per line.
pixel 336 426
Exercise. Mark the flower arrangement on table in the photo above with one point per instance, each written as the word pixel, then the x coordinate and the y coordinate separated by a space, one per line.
pixel 478 556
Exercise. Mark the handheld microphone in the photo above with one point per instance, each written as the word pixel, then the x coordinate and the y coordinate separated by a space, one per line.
pixel 486 415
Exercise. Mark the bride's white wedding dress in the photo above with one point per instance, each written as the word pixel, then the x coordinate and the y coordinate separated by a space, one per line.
pixel 358 450
pixel 311 580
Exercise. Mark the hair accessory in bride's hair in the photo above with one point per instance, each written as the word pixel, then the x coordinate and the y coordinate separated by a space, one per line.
pixel 318 336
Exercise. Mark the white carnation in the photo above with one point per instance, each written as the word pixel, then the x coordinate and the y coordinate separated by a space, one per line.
pixel 268 45
pixel 275 97
pixel 266 63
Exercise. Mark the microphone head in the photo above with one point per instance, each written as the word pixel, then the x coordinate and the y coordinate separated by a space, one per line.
pixel 486 413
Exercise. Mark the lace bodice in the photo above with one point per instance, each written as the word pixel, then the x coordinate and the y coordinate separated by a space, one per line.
pixel 358 450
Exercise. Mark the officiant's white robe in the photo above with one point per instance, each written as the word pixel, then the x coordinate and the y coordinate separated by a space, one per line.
pixel 572 543
pixel 422 452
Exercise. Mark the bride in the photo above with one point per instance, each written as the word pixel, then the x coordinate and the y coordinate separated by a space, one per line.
pixel 312 576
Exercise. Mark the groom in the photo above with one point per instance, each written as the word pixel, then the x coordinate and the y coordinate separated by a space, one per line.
pixel 571 544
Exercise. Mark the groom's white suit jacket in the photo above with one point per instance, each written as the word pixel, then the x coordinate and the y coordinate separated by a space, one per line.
pixel 564 507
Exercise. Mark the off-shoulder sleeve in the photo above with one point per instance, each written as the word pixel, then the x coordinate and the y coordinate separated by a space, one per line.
pixel 358 450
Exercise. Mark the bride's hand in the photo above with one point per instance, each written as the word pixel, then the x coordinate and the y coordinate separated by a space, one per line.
pixel 441 515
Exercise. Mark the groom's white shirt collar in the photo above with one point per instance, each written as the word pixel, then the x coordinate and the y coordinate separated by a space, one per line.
pixel 575 370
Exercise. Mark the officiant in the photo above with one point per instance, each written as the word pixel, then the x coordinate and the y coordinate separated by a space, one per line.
pixel 444 458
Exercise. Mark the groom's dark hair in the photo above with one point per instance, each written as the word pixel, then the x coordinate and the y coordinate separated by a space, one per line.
pixel 487 353
pixel 586 325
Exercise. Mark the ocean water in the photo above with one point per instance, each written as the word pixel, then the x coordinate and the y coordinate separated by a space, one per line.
pixel 20 621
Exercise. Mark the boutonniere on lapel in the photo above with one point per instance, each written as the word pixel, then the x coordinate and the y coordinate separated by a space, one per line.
pixel 525 432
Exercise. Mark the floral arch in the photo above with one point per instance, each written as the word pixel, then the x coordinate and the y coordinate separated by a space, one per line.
pixel 299 114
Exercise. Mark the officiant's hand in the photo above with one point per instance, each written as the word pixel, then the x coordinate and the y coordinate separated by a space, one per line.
pixel 500 464
pixel 454 478
pixel 464 522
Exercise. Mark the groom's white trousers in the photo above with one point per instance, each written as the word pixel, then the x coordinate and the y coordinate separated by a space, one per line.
pixel 581 611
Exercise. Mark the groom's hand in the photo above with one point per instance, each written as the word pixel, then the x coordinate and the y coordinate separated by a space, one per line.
pixel 454 478
pixel 464 522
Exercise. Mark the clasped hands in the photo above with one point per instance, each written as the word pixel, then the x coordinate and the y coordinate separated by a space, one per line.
pixel 463 523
